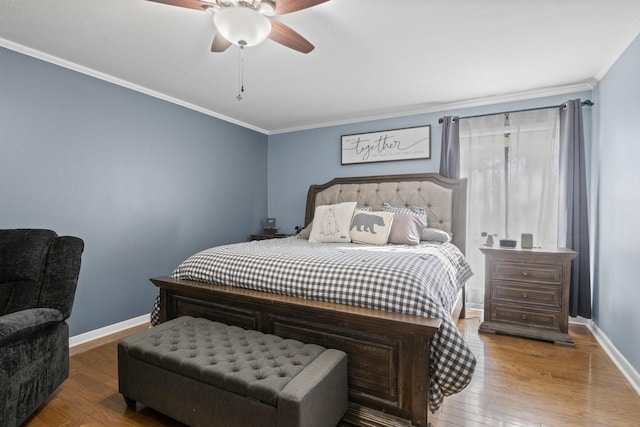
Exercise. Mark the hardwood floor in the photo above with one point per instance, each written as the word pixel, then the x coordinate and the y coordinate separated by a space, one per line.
pixel 523 382
pixel 518 382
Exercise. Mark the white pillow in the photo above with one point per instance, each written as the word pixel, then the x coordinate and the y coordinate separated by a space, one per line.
pixel 371 227
pixel 331 223
pixel 306 232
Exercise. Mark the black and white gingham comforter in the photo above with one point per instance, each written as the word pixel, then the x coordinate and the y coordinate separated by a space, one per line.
pixel 421 280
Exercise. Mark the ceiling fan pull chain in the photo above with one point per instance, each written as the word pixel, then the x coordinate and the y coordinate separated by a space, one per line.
pixel 241 77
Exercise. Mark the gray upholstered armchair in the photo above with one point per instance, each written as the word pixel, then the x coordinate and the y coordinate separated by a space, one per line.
pixel 38 277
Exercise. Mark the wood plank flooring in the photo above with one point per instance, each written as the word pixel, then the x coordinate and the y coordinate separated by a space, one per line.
pixel 518 382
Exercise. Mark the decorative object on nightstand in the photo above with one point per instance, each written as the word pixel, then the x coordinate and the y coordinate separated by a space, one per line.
pixel 269 226
pixel 269 231
pixel 527 293
pixel 526 241
pixel 508 243
pixel 489 241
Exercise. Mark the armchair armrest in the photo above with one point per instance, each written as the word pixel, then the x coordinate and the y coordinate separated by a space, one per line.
pixel 14 326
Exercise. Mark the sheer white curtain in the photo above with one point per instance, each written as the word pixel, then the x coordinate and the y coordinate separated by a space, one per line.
pixel 525 173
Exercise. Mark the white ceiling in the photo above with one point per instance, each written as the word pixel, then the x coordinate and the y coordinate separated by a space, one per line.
pixel 373 58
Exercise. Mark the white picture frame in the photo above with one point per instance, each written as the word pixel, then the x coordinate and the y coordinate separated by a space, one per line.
pixel 387 145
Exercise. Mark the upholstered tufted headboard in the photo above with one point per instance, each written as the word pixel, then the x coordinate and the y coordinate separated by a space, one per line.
pixel 444 199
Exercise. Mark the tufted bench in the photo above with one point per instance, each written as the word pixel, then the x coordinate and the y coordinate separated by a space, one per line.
pixel 205 373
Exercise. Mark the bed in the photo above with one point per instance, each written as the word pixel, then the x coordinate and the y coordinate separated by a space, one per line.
pixel 395 373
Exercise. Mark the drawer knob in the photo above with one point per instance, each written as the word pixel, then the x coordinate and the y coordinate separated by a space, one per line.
pixel 524 295
pixel 525 273
pixel 524 317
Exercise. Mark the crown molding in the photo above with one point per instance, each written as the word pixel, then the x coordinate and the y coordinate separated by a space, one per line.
pixel 615 52
pixel 398 112
pixel 120 82
pixel 456 105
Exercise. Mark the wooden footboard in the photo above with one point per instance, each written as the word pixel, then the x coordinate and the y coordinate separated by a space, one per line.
pixel 388 352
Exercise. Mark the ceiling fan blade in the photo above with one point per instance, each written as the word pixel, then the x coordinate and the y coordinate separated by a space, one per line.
pixel 284 35
pixel 220 44
pixel 189 4
pixel 288 6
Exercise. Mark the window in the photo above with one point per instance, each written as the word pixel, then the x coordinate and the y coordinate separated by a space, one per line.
pixel 511 163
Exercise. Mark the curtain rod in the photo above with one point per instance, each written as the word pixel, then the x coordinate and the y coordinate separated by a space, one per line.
pixel 586 103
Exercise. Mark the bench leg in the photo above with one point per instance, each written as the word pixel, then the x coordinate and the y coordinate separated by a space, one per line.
pixel 130 402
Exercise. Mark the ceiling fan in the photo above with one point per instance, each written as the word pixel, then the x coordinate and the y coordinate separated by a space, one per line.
pixel 249 22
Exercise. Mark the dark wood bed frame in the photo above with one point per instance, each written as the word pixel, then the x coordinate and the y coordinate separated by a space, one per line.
pixel 388 352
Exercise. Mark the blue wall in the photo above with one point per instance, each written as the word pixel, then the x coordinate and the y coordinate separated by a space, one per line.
pixel 144 182
pixel 299 159
pixel 616 177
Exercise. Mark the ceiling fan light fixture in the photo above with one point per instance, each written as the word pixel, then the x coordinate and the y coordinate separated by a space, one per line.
pixel 267 7
pixel 242 26
pixel 214 9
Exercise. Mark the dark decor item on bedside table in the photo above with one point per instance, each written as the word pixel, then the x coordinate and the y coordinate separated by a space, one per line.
pixel 38 277
pixel 526 293
pixel 265 236
pixel 508 243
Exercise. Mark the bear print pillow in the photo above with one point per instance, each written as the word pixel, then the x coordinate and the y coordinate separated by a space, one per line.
pixel 331 223
pixel 371 227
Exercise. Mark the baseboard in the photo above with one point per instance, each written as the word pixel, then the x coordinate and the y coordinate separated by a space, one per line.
pixel 579 321
pixel 108 330
pixel 632 376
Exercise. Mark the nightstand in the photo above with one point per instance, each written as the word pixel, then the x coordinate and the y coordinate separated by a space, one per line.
pixel 265 236
pixel 526 293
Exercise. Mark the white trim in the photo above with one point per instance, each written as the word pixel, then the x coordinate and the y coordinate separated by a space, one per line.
pixel 579 321
pixel 108 330
pixel 120 82
pixel 587 85
pixel 631 375
pixel 403 111
pixel 615 52
pixel 616 357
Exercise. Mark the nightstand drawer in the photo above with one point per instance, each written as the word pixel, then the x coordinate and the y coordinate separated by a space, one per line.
pixel 525 316
pixel 536 273
pixel 523 293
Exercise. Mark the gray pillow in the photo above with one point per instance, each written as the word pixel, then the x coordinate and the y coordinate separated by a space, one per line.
pixel 407 229
pixel 306 232
pixel 435 235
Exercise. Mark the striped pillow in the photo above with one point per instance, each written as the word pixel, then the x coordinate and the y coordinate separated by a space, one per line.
pixel 411 210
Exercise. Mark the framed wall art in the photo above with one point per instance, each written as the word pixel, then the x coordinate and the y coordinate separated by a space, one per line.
pixel 388 145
